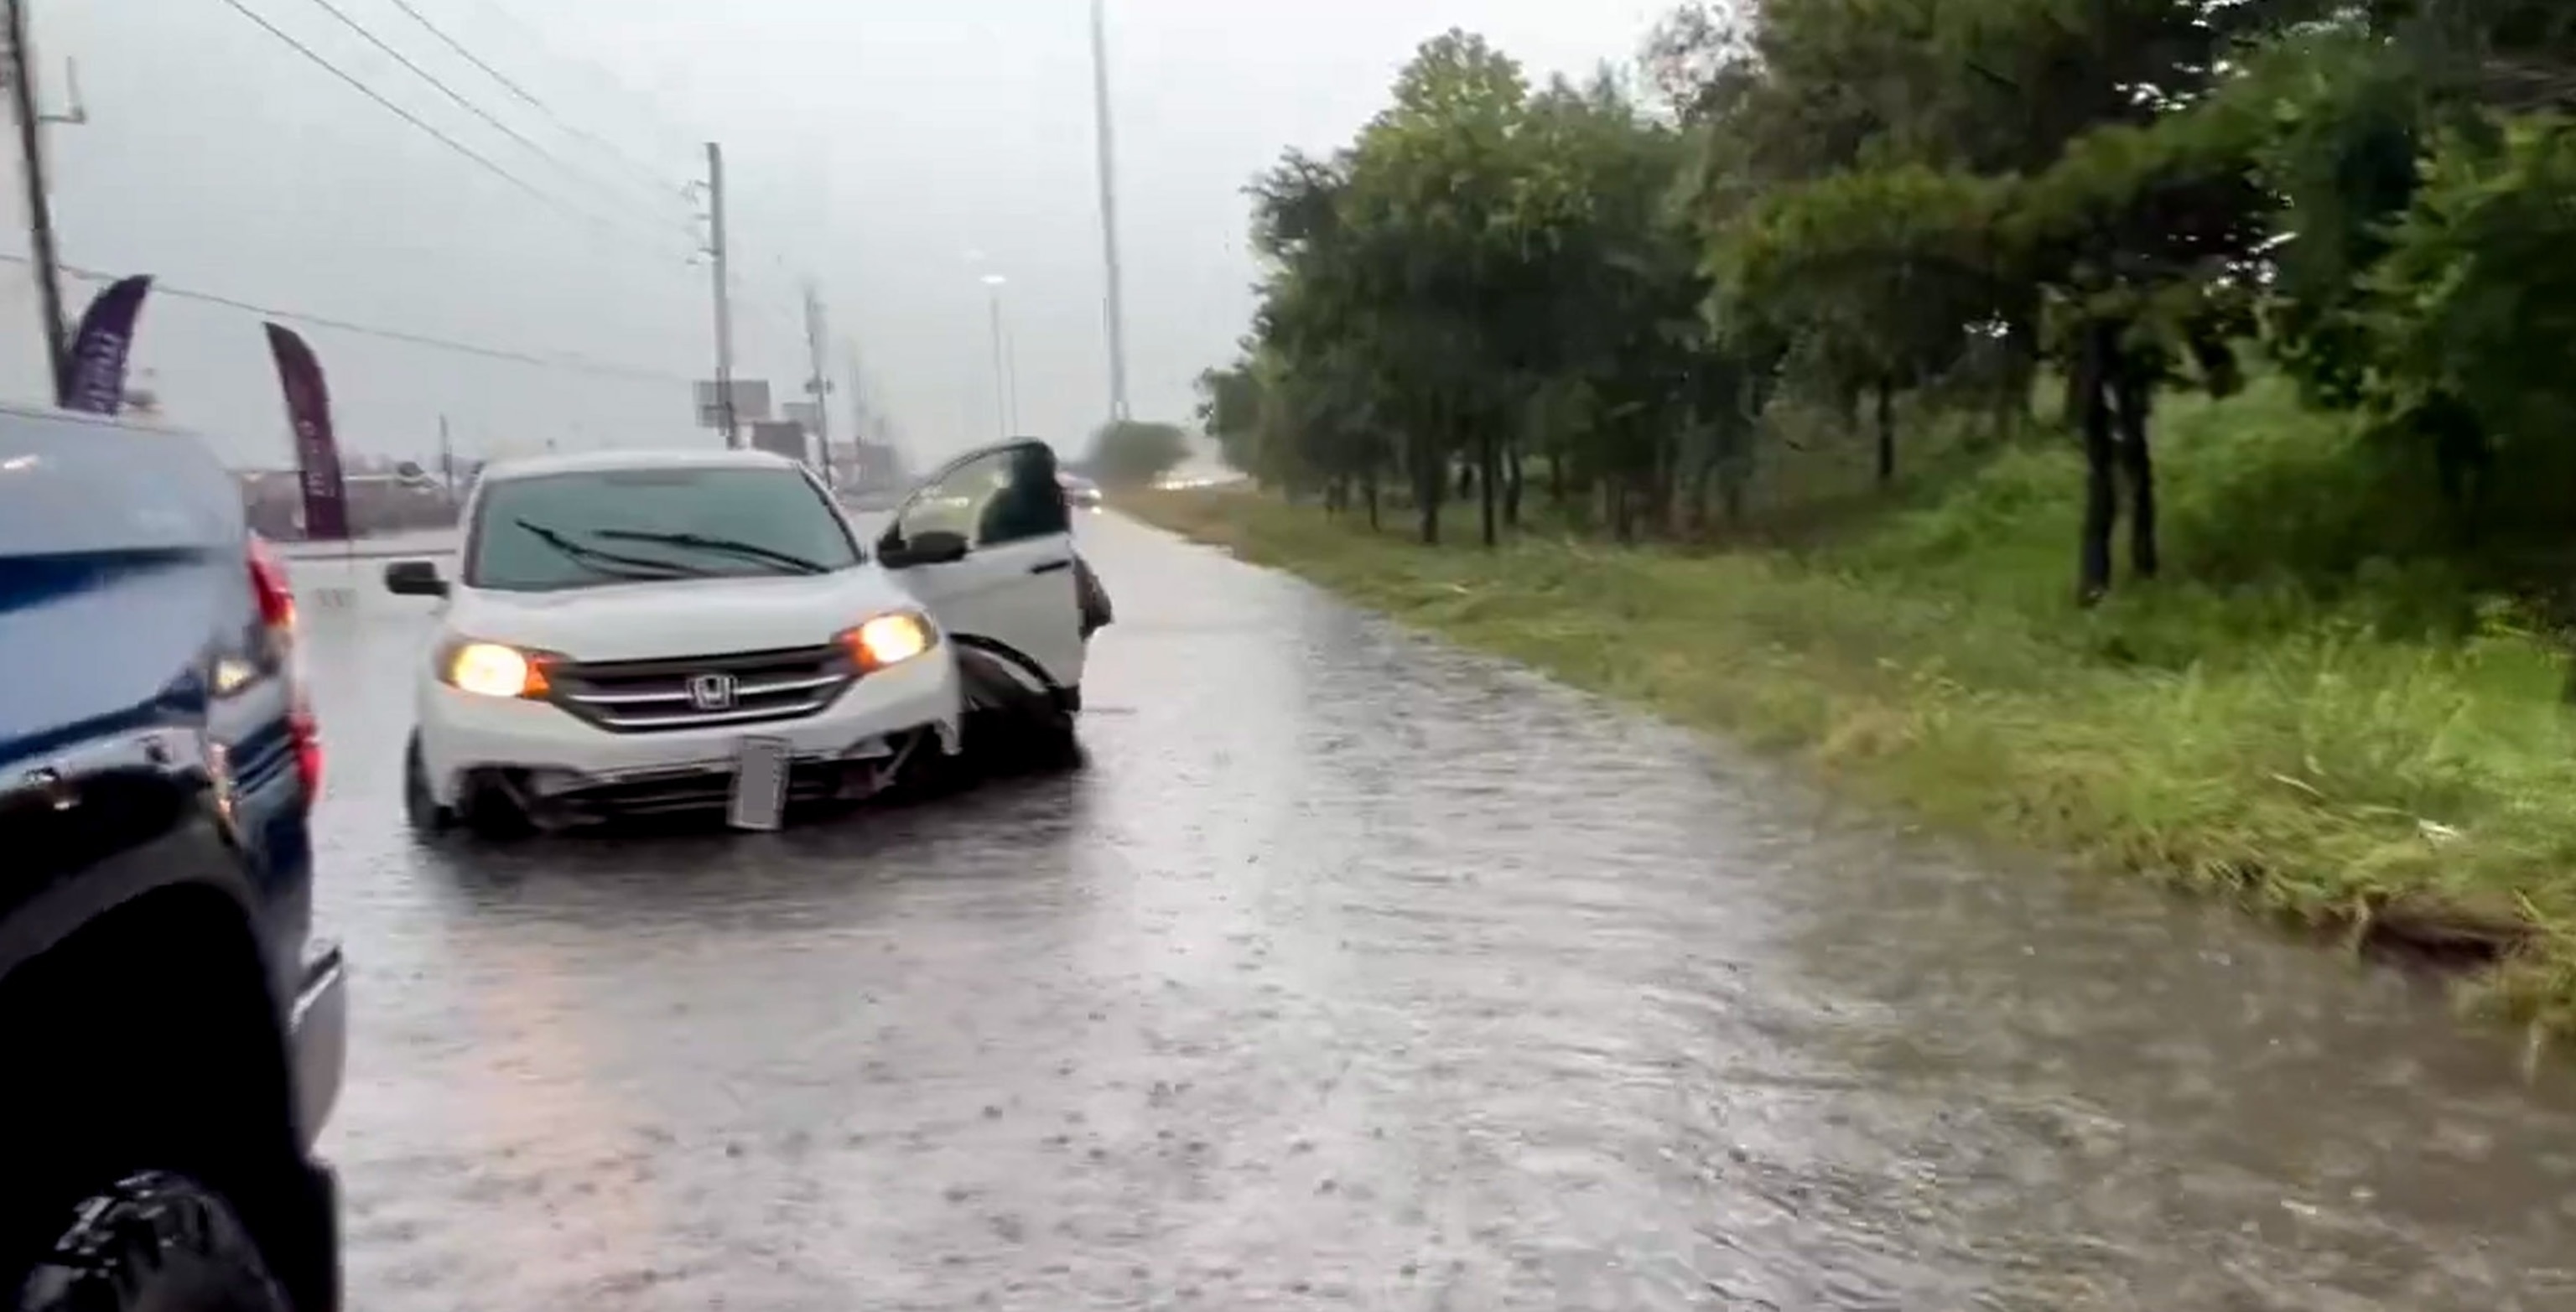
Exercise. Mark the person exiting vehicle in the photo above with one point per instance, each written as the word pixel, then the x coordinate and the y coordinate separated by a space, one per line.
pixel 1034 503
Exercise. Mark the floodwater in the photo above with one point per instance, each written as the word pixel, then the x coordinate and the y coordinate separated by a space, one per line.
pixel 1358 972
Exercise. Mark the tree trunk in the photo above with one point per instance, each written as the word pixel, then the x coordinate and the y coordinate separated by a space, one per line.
pixel 1430 485
pixel 1368 489
pixel 2090 389
pixel 1556 480
pixel 1489 460
pixel 2137 468
pixel 1695 506
pixel 1466 477
pixel 1665 477
pixel 1514 478
pixel 1886 433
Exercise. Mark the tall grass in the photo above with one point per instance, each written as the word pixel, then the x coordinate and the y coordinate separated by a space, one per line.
pixel 2291 718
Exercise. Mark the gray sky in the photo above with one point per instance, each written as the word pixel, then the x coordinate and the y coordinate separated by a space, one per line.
pixel 872 144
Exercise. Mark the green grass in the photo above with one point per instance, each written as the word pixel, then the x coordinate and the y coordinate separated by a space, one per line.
pixel 2339 740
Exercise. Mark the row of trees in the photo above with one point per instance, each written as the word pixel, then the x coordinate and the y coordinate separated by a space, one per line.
pixel 1903 207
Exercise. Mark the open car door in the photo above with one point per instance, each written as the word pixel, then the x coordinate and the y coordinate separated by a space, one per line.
pixel 1011 594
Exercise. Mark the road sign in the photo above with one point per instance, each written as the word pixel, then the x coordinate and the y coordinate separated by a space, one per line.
pixel 750 402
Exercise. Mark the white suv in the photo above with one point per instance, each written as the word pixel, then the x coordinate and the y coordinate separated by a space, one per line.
pixel 654 631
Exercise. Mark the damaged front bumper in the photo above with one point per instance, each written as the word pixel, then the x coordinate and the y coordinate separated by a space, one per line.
pixel 557 797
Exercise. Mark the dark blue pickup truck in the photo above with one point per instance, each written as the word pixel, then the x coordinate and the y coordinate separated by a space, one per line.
pixel 171 1031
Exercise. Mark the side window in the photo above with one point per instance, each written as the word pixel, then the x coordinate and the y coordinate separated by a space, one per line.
pixel 1001 496
pixel 955 502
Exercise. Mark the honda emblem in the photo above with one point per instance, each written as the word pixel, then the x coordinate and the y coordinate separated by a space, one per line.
pixel 711 692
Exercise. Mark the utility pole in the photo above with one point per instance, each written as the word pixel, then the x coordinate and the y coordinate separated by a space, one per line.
pixel 1116 304
pixel 816 385
pixel 860 430
pixel 1001 369
pixel 47 261
pixel 1011 380
pixel 446 458
pixel 724 295
pixel 858 393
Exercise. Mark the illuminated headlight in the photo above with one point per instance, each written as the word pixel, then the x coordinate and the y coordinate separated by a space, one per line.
pixel 888 639
pixel 490 669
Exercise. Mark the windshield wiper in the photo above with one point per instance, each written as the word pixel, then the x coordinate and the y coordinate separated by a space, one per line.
pixel 610 563
pixel 787 560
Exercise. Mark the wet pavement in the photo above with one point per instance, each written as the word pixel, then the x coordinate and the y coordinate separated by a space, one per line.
pixel 1357 972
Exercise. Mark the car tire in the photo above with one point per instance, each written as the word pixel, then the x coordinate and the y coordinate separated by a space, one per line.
pixel 420 806
pixel 1059 738
pixel 152 1242
pixel 496 817
pixel 1039 736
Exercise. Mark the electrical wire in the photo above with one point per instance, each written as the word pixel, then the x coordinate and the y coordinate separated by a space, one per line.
pixel 664 128
pixel 551 360
pixel 463 102
pixel 478 158
pixel 645 172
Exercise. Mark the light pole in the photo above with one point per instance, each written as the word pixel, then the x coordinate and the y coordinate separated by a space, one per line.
pixel 1005 405
pixel 1113 301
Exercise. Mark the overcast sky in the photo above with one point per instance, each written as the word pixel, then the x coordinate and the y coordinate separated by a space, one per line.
pixel 877 146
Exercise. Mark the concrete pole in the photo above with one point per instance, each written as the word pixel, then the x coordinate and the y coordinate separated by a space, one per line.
pixel 1114 306
pixel 724 295
pixel 47 261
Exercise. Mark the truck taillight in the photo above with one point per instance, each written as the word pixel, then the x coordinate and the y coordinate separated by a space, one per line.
pixel 276 597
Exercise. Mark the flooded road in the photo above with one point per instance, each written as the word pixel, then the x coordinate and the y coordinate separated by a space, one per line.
pixel 1356 972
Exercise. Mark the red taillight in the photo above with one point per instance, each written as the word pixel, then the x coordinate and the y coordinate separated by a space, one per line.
pixel 268 583
pixel 276 596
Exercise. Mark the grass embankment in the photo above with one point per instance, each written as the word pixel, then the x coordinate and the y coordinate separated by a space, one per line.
pixel 2351 756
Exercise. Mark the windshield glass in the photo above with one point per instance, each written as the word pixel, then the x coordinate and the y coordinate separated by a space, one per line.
pixel 578 530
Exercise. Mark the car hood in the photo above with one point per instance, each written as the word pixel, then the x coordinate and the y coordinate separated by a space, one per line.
pixel 679 617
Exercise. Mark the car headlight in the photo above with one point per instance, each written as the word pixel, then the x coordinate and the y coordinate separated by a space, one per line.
pixel 888 639
pixel 492 669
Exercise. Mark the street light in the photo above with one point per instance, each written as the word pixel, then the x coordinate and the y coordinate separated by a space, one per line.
pixel 1006 401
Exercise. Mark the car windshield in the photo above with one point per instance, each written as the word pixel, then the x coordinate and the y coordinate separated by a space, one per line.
pixel 578 530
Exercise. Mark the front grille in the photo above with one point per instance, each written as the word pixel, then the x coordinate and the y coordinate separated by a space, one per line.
pixel 653 695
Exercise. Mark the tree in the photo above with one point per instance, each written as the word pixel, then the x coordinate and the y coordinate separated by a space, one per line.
pixel 1899 206
pixel 1131 453
pixel 1229 410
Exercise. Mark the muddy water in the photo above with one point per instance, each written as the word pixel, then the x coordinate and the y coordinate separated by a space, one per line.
pixel 1355 972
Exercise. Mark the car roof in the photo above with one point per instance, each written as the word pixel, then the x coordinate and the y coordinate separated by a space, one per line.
pixel 586 462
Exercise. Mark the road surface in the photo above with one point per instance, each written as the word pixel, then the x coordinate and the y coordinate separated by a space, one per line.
pixel 1357 972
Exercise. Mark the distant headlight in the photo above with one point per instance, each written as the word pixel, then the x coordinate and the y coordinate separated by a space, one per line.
pixel 888 639
pixel 490 669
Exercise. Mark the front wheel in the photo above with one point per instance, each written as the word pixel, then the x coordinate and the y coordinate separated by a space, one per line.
pixel 1032 734
pixel 152 1242
pixel 420 805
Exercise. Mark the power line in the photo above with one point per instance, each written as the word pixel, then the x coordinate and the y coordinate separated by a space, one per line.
pixel 479 159
pixel 557 360
pixel 672 136
pixel 462 101
pixel 642 171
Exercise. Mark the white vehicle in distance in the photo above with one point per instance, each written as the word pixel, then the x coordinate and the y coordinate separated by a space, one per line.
pixel 641 632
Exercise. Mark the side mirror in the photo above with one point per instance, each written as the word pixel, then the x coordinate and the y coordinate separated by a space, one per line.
pixel 929 547
pixel 414 578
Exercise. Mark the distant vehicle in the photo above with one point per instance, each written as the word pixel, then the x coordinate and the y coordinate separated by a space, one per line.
pixel 642 632
pixel 174 1032
pixel 1079 492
